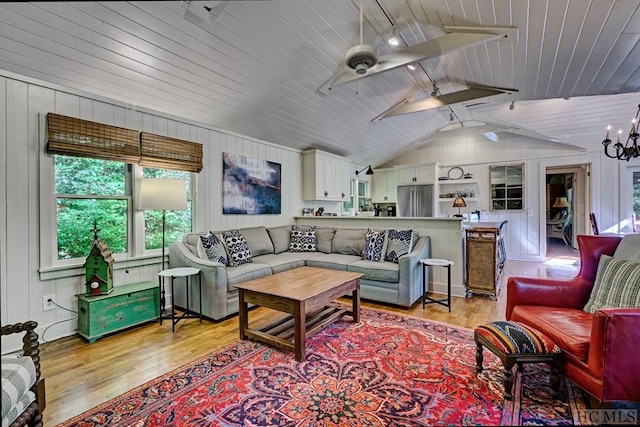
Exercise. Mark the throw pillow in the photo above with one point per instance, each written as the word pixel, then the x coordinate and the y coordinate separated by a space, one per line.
pixel 373 245
pixel 211 248
pixel 617 285
pixel 237 247
pixel 400 243
pixel 302 240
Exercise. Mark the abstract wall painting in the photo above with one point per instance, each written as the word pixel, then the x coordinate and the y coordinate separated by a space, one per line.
pixel 251 186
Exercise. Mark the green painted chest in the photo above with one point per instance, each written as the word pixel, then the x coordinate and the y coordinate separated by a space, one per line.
pixel 126 306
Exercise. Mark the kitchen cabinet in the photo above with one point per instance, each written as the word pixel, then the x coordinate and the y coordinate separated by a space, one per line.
pixel 416 174
pixel 325 176
pixel 384 186
pixel 507 187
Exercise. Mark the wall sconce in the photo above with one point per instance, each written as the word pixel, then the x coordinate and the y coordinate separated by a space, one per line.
pixel 369 171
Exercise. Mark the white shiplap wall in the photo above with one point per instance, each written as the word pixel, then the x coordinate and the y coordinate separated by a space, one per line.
pixel 26 178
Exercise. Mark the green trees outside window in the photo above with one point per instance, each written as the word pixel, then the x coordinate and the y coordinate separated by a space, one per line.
pixel 89 190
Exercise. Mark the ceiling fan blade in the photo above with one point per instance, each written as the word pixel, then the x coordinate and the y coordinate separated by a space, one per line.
pixel 474 92
pixel 459 38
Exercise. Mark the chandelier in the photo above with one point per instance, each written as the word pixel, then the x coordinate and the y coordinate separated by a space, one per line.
pixel 628 151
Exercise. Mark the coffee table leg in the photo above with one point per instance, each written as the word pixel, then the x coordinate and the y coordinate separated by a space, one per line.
pixel 243 314
pixel 355 301
pixel 300 330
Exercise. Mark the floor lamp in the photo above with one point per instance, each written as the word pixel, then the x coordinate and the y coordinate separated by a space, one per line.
pixel 163 194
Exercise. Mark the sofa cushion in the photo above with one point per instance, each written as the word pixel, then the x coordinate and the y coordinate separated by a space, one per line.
pixel 190 240
pixel 373 270
pixel 400 243
pixel 246 272
pixel 210 247
pixel 258 240
pixel 629 248
pixel 302 240
pixel 333 261
pixel 348 241
pixel 18 375
pixel 617 285
pixel 569 328
pixel 280 237
pixel 373 245
pixel 324 239
pixel 281 262
pixel 237 248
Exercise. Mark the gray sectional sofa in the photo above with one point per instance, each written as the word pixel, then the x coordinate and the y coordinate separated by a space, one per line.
pixel 336 248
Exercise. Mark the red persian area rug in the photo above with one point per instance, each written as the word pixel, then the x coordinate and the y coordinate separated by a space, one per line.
pixel 388 370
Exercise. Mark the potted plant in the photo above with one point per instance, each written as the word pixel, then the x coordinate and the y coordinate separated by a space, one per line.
pixel 367 208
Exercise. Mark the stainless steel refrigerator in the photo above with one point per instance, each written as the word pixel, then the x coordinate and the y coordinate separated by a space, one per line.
pixel 415 200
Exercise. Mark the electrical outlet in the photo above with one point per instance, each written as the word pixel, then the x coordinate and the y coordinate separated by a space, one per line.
pixel 48 302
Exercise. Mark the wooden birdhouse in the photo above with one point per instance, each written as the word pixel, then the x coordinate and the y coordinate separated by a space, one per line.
pixel 98 267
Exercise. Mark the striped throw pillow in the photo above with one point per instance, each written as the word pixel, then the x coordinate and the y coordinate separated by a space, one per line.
pixel 617 285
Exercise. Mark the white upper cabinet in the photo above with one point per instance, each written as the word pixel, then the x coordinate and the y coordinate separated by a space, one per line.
pixel 384 186
pixel 325 176
pixel 417 174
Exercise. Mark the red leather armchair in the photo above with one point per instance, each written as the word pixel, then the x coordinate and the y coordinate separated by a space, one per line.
pixel 602 350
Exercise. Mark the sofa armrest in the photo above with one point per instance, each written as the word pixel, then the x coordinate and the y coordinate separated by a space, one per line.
pixel 572 293
pixel 613 352
pixel 213 276
pixel 410 270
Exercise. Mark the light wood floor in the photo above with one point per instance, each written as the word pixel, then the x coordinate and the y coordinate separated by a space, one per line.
pixel 80 376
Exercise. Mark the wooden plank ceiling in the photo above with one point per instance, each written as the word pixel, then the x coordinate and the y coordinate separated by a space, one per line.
pixel 254 67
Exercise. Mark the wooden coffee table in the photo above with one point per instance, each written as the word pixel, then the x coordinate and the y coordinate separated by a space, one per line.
pixel 303 293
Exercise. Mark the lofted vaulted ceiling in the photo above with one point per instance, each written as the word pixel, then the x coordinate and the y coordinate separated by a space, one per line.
pixel 260 68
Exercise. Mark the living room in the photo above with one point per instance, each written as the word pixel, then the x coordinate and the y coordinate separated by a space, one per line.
pixel 31 270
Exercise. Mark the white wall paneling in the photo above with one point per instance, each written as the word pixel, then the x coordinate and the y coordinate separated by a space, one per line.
pixel 26 181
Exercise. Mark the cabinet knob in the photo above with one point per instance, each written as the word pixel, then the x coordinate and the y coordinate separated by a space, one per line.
pixel 385 197
pixel 326 193
pixel 343 195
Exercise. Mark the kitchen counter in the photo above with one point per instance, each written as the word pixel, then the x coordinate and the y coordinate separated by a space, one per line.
pixel 445 233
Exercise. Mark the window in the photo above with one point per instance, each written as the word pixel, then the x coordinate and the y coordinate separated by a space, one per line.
pixel 507 183
pixel 635 188
pixel 176 222
pixel 97 191
pixel 359 191
pixel 91 191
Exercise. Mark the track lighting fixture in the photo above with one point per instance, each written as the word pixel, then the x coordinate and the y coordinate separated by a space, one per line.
pixel 435 90
pixel 393 39
pixel 513 105
pixel 451 118
pixel 368 172
pixel 411 67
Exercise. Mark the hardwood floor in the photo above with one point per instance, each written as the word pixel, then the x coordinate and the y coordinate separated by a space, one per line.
pixel 80 376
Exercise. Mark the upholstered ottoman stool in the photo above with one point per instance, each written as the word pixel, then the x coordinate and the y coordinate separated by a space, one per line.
pixel 514 343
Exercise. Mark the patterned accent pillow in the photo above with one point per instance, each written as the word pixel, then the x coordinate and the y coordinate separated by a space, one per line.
pixel 617 285
pixel 237 247
pixel 373 245
pixel 302 240
pixel 400 243
pixel 211 248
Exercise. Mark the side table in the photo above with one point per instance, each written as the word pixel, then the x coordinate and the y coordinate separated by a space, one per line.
pixel 440 263
pixel 187 273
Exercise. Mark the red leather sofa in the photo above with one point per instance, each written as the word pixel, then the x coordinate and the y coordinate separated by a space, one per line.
pixel 602 350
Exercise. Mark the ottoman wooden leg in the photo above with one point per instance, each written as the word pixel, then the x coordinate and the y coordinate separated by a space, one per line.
pixel 508 379
pixel 479 357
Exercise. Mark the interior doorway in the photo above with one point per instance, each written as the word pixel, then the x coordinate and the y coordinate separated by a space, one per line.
pixel 566 208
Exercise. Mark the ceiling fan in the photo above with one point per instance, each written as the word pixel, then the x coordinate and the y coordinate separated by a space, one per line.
pixel 363 60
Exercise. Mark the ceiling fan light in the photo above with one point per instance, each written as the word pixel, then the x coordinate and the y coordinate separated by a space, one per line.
pixel 393 41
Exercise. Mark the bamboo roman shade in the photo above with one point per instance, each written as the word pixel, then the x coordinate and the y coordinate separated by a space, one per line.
pixel 170 153
pixel 82 138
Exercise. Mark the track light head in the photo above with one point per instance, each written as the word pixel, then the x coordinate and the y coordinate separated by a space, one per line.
pixel 513 105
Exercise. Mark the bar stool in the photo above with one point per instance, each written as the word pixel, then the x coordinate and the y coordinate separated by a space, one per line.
pixel 436 263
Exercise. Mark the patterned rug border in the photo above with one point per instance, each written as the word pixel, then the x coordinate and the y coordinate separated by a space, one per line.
pixel 245 349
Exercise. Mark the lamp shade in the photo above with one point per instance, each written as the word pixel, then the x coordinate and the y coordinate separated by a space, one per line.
pixel 561 202
pixel 157 194
pixel 459 202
